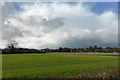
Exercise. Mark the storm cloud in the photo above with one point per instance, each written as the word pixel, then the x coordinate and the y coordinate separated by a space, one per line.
pixel 58 24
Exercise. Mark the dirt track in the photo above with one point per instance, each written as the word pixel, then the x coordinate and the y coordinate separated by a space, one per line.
pixel 112 54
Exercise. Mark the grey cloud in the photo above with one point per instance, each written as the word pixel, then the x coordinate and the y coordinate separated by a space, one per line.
pixel 53 24
pixel 47 25
pixel 76 42
pixel 7 9
pixel 10 32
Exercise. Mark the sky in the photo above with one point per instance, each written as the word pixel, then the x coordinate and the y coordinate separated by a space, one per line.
pixel 53 25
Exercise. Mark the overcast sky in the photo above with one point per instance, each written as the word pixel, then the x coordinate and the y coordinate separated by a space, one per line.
pixel 54 25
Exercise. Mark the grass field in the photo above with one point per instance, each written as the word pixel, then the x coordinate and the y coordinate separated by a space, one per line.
pixel 58 66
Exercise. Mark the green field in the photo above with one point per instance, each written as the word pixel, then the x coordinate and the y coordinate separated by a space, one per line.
pixel 58 66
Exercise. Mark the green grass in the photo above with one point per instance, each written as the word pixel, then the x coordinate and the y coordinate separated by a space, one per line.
pixel 58 65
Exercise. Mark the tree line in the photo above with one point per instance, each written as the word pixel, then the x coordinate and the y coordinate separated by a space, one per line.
pixel 13 48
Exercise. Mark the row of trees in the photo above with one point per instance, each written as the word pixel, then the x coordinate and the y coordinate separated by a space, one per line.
pixel 13 48
pixel 90 49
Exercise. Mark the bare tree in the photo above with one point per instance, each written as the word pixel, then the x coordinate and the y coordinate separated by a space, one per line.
pixel 12 46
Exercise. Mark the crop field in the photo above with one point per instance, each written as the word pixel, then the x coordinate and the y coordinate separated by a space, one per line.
pixel 58 66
